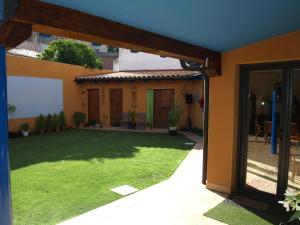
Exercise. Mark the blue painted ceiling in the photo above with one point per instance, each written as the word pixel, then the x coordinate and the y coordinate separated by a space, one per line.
pixel 219 25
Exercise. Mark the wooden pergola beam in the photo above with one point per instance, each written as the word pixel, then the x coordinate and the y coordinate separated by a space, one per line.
pixel 65 22
pixel 13 33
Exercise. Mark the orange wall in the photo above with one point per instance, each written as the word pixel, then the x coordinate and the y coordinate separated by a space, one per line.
pixel 223 108
pixel 21 66
pixel 180 87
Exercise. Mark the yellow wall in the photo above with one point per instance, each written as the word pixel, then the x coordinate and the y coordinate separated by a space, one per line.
pixel 223 111
pixel 180 87
pixel 75 95
pixel 21 66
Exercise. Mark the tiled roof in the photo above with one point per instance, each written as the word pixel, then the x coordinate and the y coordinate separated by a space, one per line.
pixel 23 52
pixel 143 75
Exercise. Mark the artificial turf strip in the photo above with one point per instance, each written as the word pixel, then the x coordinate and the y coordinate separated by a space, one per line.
pixel 60 175
pixel 230 213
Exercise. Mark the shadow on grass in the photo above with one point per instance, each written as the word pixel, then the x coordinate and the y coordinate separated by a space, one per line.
pixel 87 145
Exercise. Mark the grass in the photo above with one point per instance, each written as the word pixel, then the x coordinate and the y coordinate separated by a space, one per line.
pixel 60 175
pixel 233 214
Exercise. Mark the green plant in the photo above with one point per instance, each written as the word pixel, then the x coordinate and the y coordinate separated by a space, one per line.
pixel 174 115
pixel 62 119
pixel 78 118
pixel 25 127
pixel 291 201
pixel 133 116
pixel 54 121
pixel 72 52
pixel 49 122
pixel 11 108
pixel 41 122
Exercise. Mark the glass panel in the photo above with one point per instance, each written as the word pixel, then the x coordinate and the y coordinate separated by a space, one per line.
pixel 264 130
pixel 294 163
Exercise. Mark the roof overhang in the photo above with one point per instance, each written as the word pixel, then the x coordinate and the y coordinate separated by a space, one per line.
pixel 34 15
pixel 140 75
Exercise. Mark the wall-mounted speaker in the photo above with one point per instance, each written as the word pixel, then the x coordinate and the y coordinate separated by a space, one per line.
pixel 188 99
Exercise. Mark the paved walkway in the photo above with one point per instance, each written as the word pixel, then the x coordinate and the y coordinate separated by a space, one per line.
pixel 180 200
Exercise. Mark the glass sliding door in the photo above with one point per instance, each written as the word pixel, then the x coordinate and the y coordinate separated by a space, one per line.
pixel 263 133
pixel 294 133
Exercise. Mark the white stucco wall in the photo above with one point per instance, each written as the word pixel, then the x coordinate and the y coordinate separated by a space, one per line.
pixel 34 96
pixel 143 61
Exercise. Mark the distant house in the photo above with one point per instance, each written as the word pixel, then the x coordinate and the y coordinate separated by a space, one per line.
pixel 150 94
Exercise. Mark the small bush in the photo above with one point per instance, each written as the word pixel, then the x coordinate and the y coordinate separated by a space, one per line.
pixel 62 119
pixel 78 118
pixel 11 108
pixel 54 121
pixel 25 127
pixel 174 115
pixel 41 122
pixel 49 122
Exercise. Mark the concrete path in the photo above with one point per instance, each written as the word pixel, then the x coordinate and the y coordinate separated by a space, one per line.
pixel 180 200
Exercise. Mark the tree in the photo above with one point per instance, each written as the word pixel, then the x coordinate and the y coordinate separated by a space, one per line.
pixel 71 52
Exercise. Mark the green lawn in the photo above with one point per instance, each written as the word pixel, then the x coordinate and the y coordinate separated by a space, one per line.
pixel 233 214
pixel 60 175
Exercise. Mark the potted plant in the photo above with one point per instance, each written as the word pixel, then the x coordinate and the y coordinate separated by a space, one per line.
pixel 11 109
pixel 98 124
pixel 49 123
pixel 79 118
pixel 292 204
pixel 132 124
pixel 174 116
pixel 148 126
pixel 62 120
pixel 55 125
pixel 25 129
pixel 41 124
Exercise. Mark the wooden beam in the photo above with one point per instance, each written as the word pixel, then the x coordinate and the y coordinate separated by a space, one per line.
pixel 13 33
pixel 61 21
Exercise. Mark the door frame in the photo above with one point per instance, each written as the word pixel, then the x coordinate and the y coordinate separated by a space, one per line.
pixel 110 105
pixel 243 128
pixel 94 89
pixel 161 89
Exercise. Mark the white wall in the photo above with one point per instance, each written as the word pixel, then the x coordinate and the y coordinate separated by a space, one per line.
pixel 143 61
pixel 34 96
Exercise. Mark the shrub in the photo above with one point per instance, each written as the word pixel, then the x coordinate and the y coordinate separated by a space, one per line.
pixel 49 121
pixel 11 108
pixel 54 121
pixel 25 126
pixel 78 118
pixel 41 122
pixel 62 119
pixel 72 52
pixel 133 116
pixel 174 115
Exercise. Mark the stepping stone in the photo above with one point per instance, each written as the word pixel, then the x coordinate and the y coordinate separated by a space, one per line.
pixel 189 143
pixel 124 190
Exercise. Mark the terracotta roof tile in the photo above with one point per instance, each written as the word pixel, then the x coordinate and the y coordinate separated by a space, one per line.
pixel 143 75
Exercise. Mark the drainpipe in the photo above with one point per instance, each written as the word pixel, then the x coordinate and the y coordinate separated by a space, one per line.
pixel 5 193
pixel 205 127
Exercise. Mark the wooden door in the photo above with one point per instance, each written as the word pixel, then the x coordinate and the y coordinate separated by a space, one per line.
pixel 163 100
pixel 116 106
pixel 93 105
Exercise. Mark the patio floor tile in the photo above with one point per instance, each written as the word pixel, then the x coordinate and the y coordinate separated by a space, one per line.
pixel 124 190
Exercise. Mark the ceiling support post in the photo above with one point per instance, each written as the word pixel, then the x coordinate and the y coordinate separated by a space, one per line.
pixel 5 192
